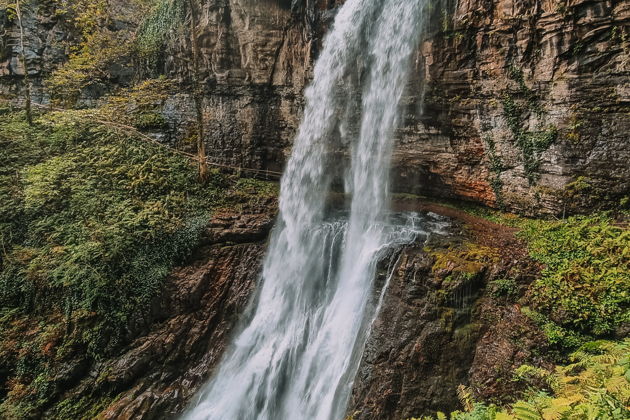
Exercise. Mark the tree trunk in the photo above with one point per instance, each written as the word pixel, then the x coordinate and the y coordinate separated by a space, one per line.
pixel 197 96
pixel 27 82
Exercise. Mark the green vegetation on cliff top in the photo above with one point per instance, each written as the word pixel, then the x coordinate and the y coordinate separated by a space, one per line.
pixel 92 220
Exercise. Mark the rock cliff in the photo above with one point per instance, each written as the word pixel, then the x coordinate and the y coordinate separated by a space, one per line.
pixel 444 324
pixel 519 104
pixel 515 104
pixel 158 373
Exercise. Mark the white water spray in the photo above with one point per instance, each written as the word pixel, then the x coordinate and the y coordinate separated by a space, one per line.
pixel 297 356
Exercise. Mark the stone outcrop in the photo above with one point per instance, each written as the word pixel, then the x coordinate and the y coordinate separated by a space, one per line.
pixel 510 103
pixel 158 373
pixel 441 324
pixel 444 324
pixel 519 104
pixel 523 98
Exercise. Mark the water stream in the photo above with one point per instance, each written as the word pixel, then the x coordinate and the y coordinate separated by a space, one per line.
pixel 298 353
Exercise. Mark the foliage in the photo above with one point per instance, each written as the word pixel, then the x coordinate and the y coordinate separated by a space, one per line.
pixel 531 142
pixel 584 285
pixel 583 288
pixel 503 288
pixel 164 17
pixel 139 106
pixel 92 219
pixel 535 377
pixel 87 66
pixel 101 51
pixel 559 337
pixel 595 385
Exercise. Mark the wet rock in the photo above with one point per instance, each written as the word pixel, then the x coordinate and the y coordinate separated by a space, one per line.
pixel 508 104
pixel 439 328
pixel 201 304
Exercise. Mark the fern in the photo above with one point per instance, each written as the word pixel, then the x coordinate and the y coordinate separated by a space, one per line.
pixel 464 394
pixel 526 411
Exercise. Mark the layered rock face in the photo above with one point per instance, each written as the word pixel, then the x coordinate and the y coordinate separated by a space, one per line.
pixel 159 372
pixel 254 63
pixel 516 104
pixel 524 98
pixel 520 104
pixel 442 324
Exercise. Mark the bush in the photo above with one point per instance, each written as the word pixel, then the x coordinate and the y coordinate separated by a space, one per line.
pixel 584 285
pixel 92 220
pixel 506 288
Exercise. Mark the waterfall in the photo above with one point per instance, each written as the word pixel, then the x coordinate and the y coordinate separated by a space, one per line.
pixel 298 352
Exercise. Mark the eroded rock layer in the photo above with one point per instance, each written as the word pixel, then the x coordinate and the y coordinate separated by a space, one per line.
pixel 158 373
pixel 520 104
pixel 515 104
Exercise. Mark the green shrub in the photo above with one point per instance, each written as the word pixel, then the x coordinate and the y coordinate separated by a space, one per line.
pixel 165 16
pixel 506 288
pixel 93 220
pixel 584 286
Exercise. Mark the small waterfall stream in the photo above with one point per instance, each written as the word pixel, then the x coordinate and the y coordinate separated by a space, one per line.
pixel 298 352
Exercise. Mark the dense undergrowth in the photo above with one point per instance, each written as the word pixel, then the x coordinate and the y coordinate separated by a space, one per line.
pixel 581 301
pixel 92 220
pixel 583 290
pixel 593 385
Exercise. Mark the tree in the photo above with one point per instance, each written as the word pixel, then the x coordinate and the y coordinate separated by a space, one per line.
pixel 15 7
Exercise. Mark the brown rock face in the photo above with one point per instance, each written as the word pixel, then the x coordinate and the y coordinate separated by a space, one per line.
pixel 255 60
pixel 442 325
pixel 161 372
pixel 158 373
pixel 509 104
pixel 522 104
pixel 523 98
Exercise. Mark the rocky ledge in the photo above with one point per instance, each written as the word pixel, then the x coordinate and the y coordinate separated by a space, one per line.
pixel 444 322
pixel 448 321
pixel 160 371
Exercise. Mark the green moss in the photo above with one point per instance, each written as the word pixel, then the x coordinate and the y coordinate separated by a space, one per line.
pixel 467 261
pixel 99 46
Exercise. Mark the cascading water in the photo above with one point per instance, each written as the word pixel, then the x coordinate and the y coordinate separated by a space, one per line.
pixel 297 355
